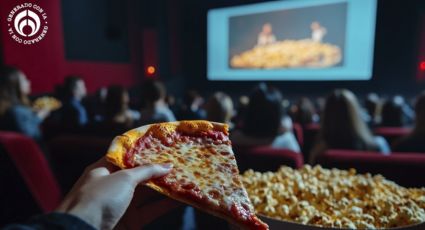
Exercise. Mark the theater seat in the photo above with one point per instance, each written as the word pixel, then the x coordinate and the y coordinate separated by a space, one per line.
pixel 71 154
pixel 392 134
pixel 406 169
pixel 28 186
pixel 52 129
pixel 265 158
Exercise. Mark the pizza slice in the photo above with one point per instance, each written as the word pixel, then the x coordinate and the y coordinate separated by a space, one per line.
pixel 205 174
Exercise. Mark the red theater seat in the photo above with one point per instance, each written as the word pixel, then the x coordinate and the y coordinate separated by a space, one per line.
pixel 72 154
pixel 406 169
pixel 392 134
pixel 28 186
pixel 265 158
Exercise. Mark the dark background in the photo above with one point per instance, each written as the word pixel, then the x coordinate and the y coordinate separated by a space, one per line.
pixel 179 42
pixel 96 30
pixel 289 24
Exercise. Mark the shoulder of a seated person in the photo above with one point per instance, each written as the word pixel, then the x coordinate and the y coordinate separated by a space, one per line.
pixel 288 135
pixel 380 139
pixel 285 138
pixel 19 108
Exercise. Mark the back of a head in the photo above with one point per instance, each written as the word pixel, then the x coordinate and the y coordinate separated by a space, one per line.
pixel 219 108
pixel 371 104
pixel 9 78
pixel 342 126
pixel 420 114
pixel 190 97
pixel 8 72
pixel 264 113
pixel 305 111
pixel 10 91
pixel 392 113
pixel 69 86
pixel 152 91
pixel 116 101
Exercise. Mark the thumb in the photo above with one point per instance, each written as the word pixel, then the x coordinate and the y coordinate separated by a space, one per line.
pixel 146 172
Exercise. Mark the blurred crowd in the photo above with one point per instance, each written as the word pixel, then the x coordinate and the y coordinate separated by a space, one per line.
pixel 261 117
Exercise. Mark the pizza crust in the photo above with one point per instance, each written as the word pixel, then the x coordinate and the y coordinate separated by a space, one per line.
pixel 121 144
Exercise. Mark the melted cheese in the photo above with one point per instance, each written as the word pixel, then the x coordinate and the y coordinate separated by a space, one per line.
pixel 210 167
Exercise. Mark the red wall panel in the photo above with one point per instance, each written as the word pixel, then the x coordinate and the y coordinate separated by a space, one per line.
pixel 44 62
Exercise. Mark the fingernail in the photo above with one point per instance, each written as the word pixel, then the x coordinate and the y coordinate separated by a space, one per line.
pixel 167 166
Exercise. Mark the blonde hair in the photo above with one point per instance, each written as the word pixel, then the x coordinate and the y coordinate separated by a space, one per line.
pixel 342 126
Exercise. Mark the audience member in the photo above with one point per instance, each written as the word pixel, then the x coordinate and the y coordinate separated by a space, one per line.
pixel 415 142
pixel 117 108
pixel 239 116
pixel 265 123
pixel 117 117
pixel 372 106
pixel 155 108
pixel 319 104
pixel 220 108
pixel 408 111
pixel 95 104
pixel 393 114
pixel 191 109
pixel 72 113
pixel 171 101
pixel 304 112
pixel 15 111
pixel 343 128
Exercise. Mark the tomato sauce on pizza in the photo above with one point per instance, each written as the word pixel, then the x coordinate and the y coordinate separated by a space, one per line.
pixel 204 173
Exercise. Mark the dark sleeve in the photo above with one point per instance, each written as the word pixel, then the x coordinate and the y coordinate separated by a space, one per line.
pixel 82 115
pixel 75 114
pixel 59 221
pixel 68 115
pixel 25 121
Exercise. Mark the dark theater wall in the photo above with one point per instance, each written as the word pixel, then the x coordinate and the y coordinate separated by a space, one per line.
pixel 98 32
pixel 45 63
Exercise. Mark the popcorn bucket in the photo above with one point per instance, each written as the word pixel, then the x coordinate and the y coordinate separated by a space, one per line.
pixel 275 224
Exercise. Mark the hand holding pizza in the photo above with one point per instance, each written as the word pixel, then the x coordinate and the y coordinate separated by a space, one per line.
pixel 102 194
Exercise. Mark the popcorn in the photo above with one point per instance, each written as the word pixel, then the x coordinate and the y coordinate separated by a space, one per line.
pixel 48 103
pixel 289 54
pixel 334 198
